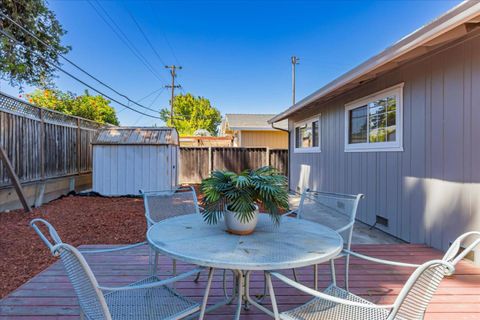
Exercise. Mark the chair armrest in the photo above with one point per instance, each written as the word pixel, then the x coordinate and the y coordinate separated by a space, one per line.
pixel 346 227
pixel 155 284
pixel 325 296
pixel 130 246
pixel 381 261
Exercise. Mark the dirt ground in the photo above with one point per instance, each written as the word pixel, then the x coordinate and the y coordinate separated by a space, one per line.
pixel 78 220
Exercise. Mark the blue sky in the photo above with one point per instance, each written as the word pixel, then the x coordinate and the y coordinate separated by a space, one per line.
pixel 235 53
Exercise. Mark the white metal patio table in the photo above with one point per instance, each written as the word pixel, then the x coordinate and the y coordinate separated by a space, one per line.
pixel 294 243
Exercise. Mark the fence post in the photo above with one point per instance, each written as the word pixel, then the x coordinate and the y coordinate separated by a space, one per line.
pixel 79 149
pixel 41 189
pixel 210 160
pixel 267 155
pixel 42 144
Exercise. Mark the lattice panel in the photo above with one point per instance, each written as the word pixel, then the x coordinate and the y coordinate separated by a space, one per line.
pixel 19 107
pixel 59 118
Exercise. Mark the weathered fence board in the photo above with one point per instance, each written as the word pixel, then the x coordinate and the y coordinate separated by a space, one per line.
pixel 196 162
pixel 42 143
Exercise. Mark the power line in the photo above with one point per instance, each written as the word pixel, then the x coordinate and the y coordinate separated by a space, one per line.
pixel 166 38
pixel 145 36
pixel 171 48
pixel 156 98
pixel 124 38
pixel 76 78
pixel 151 93
pixel 73 63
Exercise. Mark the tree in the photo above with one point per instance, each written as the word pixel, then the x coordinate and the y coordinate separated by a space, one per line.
pixel 192 113
pixel 95 108
pixel 31 61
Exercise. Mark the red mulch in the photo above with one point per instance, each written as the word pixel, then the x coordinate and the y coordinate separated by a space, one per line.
pixel 78 220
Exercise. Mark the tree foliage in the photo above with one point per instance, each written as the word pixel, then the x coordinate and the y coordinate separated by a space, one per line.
pixel 192 113
pixel 95 108
pixel 32 66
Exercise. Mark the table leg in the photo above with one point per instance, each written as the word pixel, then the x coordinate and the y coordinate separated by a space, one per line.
pixel 228 299
pixel 207 292
pixel 234 286
pixel 252 301
pixel 240 292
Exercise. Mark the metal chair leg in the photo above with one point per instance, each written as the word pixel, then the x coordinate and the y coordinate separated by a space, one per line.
pixel 347 267
pixel 155 264
pixel 332 271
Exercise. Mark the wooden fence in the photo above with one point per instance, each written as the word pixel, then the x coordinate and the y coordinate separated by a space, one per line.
pixel 197 163
pixel 43 144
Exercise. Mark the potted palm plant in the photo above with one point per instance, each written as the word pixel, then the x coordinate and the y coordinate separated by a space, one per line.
pixel 236 197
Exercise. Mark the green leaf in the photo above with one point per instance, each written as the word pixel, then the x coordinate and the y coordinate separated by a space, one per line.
pixel 240 192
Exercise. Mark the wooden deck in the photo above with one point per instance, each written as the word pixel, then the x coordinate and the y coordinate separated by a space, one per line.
pixel 49 295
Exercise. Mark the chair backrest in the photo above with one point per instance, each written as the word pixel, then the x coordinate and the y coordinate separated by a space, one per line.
pixel 90 297
pixel 160 205
pixel 417 293
pixel 335 210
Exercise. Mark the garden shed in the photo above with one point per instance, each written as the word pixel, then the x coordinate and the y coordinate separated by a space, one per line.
pixel 127 159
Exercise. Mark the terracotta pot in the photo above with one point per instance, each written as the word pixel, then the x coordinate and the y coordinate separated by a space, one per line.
pixel 238 227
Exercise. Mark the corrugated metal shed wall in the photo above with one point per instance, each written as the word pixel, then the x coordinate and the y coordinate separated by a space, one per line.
pixel 430 192
pixel 127 160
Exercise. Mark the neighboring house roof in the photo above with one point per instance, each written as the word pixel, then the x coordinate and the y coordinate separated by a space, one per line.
pixel 450 26
pixel 136 136
pixel 239 121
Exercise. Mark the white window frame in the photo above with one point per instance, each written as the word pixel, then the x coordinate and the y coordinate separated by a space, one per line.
pixel 397 145
pixel 302 123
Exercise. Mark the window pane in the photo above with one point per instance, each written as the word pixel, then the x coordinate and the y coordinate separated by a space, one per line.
pixel 374 122
pixel 377 107
pixel 306 136
pixel 315 134
pixel 391 103
pixel 381 135
pixel 358 125
pixel 391 126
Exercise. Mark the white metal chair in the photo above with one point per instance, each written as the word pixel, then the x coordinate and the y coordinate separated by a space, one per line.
pixel 335 210
pixel 411 303
pixel 164 204
pixel 148 298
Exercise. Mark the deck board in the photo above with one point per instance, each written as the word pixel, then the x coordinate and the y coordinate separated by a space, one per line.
pixel 49 295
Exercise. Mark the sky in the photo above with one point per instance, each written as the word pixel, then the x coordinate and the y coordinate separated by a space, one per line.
pixel 235 53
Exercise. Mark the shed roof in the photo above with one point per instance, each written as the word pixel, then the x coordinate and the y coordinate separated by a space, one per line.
pixel 244 121
pixel 136 136
pixel 452 25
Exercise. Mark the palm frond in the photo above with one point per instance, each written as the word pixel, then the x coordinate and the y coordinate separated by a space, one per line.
pixel 240 192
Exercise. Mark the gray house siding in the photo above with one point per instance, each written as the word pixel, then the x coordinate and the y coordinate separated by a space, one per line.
pixel 430 192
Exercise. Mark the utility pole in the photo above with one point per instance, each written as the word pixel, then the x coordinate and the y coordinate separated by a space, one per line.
pixel 295 61
pixel 173 73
